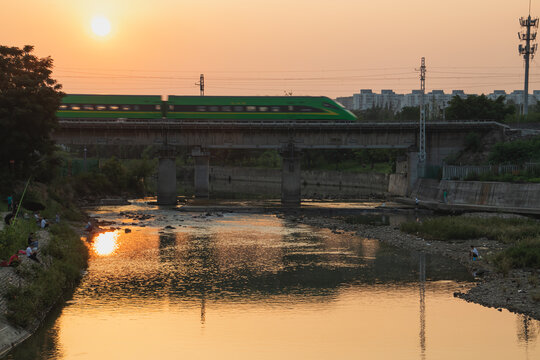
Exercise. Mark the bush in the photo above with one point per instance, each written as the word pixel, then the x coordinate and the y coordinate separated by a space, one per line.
pixel 15 237
pixel 524 254
pixel 517 152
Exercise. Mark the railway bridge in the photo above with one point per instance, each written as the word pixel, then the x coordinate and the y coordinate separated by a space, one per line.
pixel 288 137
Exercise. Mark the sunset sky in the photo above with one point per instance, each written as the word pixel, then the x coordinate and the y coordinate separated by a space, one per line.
pixel 267 47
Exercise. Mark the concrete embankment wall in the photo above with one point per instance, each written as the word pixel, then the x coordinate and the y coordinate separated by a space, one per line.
pixel 497 195
pixel 314 183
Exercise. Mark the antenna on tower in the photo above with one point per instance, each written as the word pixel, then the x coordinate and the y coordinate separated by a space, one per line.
pixel 527 51
pixel 201 84
pixel 422 123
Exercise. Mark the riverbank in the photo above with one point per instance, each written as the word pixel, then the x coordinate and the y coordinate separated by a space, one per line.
pixel 30 290
pixel 518 291
pixel 9 277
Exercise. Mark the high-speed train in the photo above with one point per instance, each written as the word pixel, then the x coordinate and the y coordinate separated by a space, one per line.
pixel 153 108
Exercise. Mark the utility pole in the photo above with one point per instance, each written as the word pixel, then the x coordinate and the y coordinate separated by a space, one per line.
pixel 527 51
pixel 422 124
pixel 201 84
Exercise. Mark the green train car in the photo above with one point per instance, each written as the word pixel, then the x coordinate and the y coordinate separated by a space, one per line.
pixel 191 108
pixel 114 107
pixel 256 108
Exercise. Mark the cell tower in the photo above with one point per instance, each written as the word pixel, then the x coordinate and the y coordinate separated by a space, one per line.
pixel 422 124
pixel 527 51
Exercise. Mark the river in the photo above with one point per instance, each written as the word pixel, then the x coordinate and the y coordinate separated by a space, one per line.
pixel 180 285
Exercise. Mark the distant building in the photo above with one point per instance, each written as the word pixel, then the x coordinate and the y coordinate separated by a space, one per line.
pixel 346 101
pixel 389 100
pixel 365 100
pixel 436 100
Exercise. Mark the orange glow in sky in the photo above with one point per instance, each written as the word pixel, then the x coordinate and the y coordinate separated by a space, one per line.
pixel 267 47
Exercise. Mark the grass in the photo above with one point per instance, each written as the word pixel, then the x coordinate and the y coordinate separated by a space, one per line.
pixel 15 237
pixel 46 285
pixel 464 228
pixel 523 236
pixel 524 254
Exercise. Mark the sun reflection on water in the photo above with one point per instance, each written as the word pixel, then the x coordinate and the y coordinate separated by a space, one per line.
pixel 106 243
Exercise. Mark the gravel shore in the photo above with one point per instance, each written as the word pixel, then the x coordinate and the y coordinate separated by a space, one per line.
pixel 517 291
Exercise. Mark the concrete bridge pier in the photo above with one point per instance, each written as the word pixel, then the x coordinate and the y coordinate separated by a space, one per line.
pixel 413 170
pixel 290 177
pixel 166 186
pixel 202 173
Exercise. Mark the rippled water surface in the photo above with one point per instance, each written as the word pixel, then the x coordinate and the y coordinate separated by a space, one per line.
pixel 254 286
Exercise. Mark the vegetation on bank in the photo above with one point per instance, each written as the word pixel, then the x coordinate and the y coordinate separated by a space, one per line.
pixel 62 259
pixel 522 154
pixel 46 283
pixel 522 236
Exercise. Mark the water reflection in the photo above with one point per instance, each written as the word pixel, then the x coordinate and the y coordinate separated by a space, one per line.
pixel 255 286
pixel 422 288
pixel 105 243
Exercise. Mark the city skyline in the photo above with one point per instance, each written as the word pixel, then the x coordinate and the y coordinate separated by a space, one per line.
pixel 270 48
pixel 387 98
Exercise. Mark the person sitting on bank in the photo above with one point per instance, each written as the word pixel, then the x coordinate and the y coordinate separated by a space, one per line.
pixel 473 253
pixel 88 226
pixel 31 242
pixel 31 254
pixel 44 223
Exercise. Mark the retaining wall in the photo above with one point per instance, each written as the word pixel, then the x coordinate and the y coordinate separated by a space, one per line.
pixel 481 193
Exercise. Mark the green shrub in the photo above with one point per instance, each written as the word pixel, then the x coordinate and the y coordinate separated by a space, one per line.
pixel 15 237
pixel 524 254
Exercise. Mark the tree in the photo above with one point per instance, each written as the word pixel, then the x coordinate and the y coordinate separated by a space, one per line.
pixel 410 113
pixel 478 108
pixel 29 99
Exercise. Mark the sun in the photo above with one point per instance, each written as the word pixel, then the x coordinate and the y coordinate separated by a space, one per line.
pixel 101 25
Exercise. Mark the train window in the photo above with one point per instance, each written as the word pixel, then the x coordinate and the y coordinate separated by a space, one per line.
pixel 135 107
pixel 226 108
pixel 214 108
pixel 63 107
pixel 201 108
pixel 328 105
pixel 305 109
pixel 126 107
pixel 275 108
pixel 171 107
pixel 263 108
pixel 290 108
pixel 158 107
pixel 101 107
pixel 75 107
pixel 88 107
pixel 238 108
pixel 114 107
pixel 251 108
